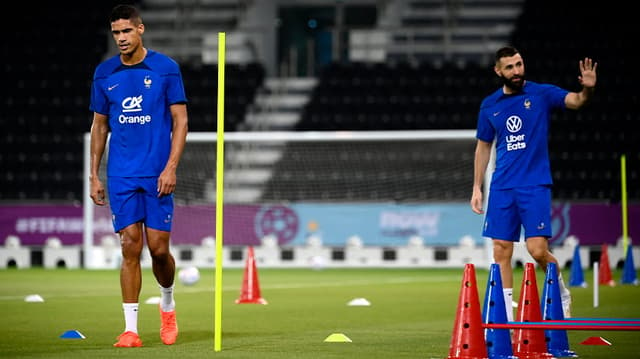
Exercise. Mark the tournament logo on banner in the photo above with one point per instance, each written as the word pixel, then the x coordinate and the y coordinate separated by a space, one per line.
pixel 279 221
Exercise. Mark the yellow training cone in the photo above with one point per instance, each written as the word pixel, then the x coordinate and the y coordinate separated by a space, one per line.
pixel 337 338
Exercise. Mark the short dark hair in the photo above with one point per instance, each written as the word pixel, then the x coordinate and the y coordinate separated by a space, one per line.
pixel 125 12
pixel 506 51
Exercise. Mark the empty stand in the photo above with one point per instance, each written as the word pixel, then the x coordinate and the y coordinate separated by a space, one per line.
pixel 381 96
pixel 46 74
pixel 47 71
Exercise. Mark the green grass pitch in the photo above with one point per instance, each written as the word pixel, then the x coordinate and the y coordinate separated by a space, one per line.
pixel 411 315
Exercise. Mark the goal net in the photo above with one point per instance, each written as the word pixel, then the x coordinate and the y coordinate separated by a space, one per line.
pixel 382 186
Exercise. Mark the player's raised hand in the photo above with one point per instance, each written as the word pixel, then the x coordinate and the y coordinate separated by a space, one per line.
pixel 587 76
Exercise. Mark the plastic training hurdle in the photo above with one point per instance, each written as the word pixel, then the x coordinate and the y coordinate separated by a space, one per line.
pixel 540 329
pixel 568 325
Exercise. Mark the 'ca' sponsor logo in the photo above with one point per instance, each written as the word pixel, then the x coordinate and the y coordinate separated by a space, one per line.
pixel 514 124
pixel 132 104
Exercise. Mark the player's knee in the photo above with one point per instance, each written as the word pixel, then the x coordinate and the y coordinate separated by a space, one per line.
pixel 498 255
pixel 160 253
pixel 539 254
pixel 502 258
pixel 501 254
pixel 131 247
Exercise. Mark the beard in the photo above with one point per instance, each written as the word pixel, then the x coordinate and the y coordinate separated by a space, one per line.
pixel 515 83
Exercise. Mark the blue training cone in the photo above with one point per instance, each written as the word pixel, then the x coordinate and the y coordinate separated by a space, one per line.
pixel 629 275
pixel 551 308
pixel 72 334
pixel 494 311
pixel 577 276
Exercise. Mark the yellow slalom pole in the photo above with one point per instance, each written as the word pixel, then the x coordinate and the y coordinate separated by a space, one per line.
pixel 217 330
pixel 625 227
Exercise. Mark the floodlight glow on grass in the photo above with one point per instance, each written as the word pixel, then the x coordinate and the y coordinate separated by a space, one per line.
pixel 217 330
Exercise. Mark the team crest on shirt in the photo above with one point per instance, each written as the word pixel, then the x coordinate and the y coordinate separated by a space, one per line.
pixel 147 82
pixel 527 104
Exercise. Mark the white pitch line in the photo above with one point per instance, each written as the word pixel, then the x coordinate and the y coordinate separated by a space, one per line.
pixel 199 288
pixel 323 284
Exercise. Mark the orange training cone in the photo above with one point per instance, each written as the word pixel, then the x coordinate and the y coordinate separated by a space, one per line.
pixel 467 341
pixel 250 286
pixel 604 269
pixel 529 343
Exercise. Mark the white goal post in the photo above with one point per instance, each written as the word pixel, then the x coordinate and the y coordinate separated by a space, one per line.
pixel 334 169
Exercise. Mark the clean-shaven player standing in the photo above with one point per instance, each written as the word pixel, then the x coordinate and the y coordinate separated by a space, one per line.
pixel 138 96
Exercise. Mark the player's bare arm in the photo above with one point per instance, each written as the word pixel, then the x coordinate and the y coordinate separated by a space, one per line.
pixel 99 133
pixel 168 179
pixel 480 163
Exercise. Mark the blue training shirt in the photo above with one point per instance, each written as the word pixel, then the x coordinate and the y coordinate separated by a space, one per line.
pixel 136 99
pixel 520 125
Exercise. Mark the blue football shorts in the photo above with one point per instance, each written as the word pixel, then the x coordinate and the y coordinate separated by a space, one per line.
pixel 135 199
pixel 509 210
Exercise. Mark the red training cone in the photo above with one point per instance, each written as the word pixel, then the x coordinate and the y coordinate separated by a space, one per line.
pixel 529 343
pixel 467 341
pixel 604 269
pixel 250 286
pixel 596 341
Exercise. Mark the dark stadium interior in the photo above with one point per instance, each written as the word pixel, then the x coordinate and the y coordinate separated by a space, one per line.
pixel 48 65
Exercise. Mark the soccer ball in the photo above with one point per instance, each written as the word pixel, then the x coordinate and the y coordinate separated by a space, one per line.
pixel 317 262
pixel 189 275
